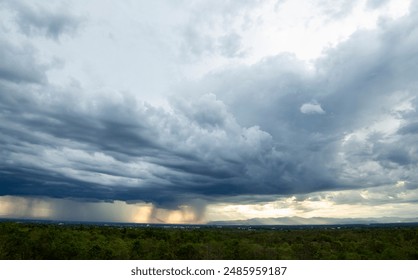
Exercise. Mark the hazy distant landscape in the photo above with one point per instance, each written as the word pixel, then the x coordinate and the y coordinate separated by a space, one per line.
pixel 53 240
pixel 315 221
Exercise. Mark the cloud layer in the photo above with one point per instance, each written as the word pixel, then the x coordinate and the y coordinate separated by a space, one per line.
pixel 277 127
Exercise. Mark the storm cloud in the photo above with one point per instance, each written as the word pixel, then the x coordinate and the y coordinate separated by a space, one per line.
pixel 277 127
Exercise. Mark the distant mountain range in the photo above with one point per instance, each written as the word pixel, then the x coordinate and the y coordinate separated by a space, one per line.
pixel 314 221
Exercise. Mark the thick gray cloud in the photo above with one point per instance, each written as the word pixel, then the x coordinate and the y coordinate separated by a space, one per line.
pixel 273 128
pixel 18 64
pixel 36 18
pixel 140 153
pixel 367 88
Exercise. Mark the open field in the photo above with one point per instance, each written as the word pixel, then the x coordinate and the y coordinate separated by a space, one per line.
pixel 51 241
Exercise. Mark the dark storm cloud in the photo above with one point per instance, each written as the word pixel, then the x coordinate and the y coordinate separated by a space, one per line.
pixel 273 128
pixel 53 145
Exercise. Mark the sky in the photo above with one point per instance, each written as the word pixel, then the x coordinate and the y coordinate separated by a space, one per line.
pixel 196 111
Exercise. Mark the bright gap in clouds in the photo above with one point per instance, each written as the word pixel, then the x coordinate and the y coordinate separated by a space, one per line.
pixel 302 28
pixel 149 50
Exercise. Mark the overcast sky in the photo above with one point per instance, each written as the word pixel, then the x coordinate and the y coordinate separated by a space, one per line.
pixel 192 111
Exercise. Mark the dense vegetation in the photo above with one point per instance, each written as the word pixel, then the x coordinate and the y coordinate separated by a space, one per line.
pixel 48 241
